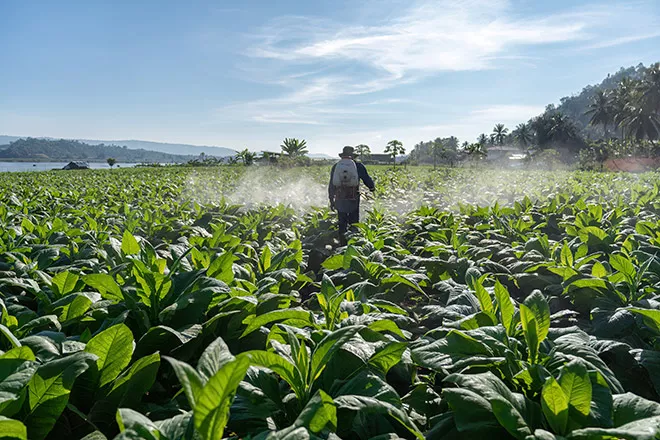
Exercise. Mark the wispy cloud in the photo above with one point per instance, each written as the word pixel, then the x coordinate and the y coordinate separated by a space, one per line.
pixel 320 62
pixel 612 42
pixel 428 38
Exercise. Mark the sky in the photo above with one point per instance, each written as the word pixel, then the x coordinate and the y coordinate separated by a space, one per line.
pixel 339 72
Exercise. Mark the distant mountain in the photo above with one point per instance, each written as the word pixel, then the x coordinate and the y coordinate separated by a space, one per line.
pixel 65 150
pixel 163 147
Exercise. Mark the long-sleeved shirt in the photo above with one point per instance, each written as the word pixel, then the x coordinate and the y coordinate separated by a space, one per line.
pixel 346 205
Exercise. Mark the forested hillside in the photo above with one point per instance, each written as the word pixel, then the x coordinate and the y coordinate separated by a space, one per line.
pixel 577 106
pixel 64 150
pixel 622 110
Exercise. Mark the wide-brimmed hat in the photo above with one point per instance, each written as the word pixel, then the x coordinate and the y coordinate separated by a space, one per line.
pixel 348 152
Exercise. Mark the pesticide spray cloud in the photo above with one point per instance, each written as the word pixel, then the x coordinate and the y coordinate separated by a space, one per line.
pixel 257 187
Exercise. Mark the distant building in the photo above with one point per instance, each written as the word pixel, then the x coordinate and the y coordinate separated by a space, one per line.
pixel 502 153
pixel 268 157
pixel 76 166
pixel 376 159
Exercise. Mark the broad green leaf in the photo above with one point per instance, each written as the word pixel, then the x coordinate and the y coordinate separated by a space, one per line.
pixel 576 384
pixel 651 317
pixel 276 363
pixel 349 254
pixel 129 245
pixel 388 356
pixel 530 329
pixel 333 263
pixel 510 418
pixel 277 316
pixel 13 340
pixel 328 346
pixel 622 264
pixel 46 322
pixel 213 358
pixel 48 391
pixel 538 305
pixel 137 379
pixel 23 353
pixel 12 429
pixel 265 258
pixel 397 278
pixel 485 301
pixel 211 411
pixel 629 407
pixel 370 405
pixel 589 283
pixel 177 427
pixel 95 435
pixel 472 412
pixel 554 404
pixel 65 283
pixel 319 412
pixel 74 308
pixel 114 348
pixel 455 351
pixel 127 390
pixel 221 267
pixel 507 309
pixel 105 285
pixel 587 233
pixel 161 339
pixel 383 325
pixel 642 429
pixel 598 270
pixel 566 256
pixel 128 419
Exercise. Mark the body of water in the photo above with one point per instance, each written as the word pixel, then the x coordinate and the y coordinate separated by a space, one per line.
pixel 46 166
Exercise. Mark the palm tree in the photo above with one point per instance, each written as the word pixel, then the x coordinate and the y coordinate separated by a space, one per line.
pixel 476 151
pixel 499 134
pixel 294 148
pixel 523 135
pixel 650 88
pixel 601 110
pixel 482 139
pixel 626 93
pixel 641 123
pixel 562 128
pixel 247 157
pixel 394 148
pixel 363 150
pixel 437 150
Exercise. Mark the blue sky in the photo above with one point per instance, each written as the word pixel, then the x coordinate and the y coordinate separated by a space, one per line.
pixel 249 73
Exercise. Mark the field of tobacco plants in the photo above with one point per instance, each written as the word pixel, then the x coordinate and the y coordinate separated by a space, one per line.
pixel 469 304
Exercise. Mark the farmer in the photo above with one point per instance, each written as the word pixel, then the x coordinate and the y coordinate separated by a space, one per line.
pixel 344 188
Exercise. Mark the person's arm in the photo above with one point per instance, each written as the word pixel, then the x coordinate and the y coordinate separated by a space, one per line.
pixel 331 187
pixel 364 176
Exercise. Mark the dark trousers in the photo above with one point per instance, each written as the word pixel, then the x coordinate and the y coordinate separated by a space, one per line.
pixel 347 218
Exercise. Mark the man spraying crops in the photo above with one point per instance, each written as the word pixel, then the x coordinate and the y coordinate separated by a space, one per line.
pixel 344 188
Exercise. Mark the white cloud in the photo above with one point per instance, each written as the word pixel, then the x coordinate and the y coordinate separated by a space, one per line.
pixel 429 37
pixel 303 55
pixel 621 40
pixel 334 76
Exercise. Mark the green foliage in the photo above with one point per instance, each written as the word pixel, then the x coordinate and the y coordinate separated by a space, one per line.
pixel 458 309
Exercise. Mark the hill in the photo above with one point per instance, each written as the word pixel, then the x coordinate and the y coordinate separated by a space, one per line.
pixel 66 150
pixel 163 147
pixel 576 106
